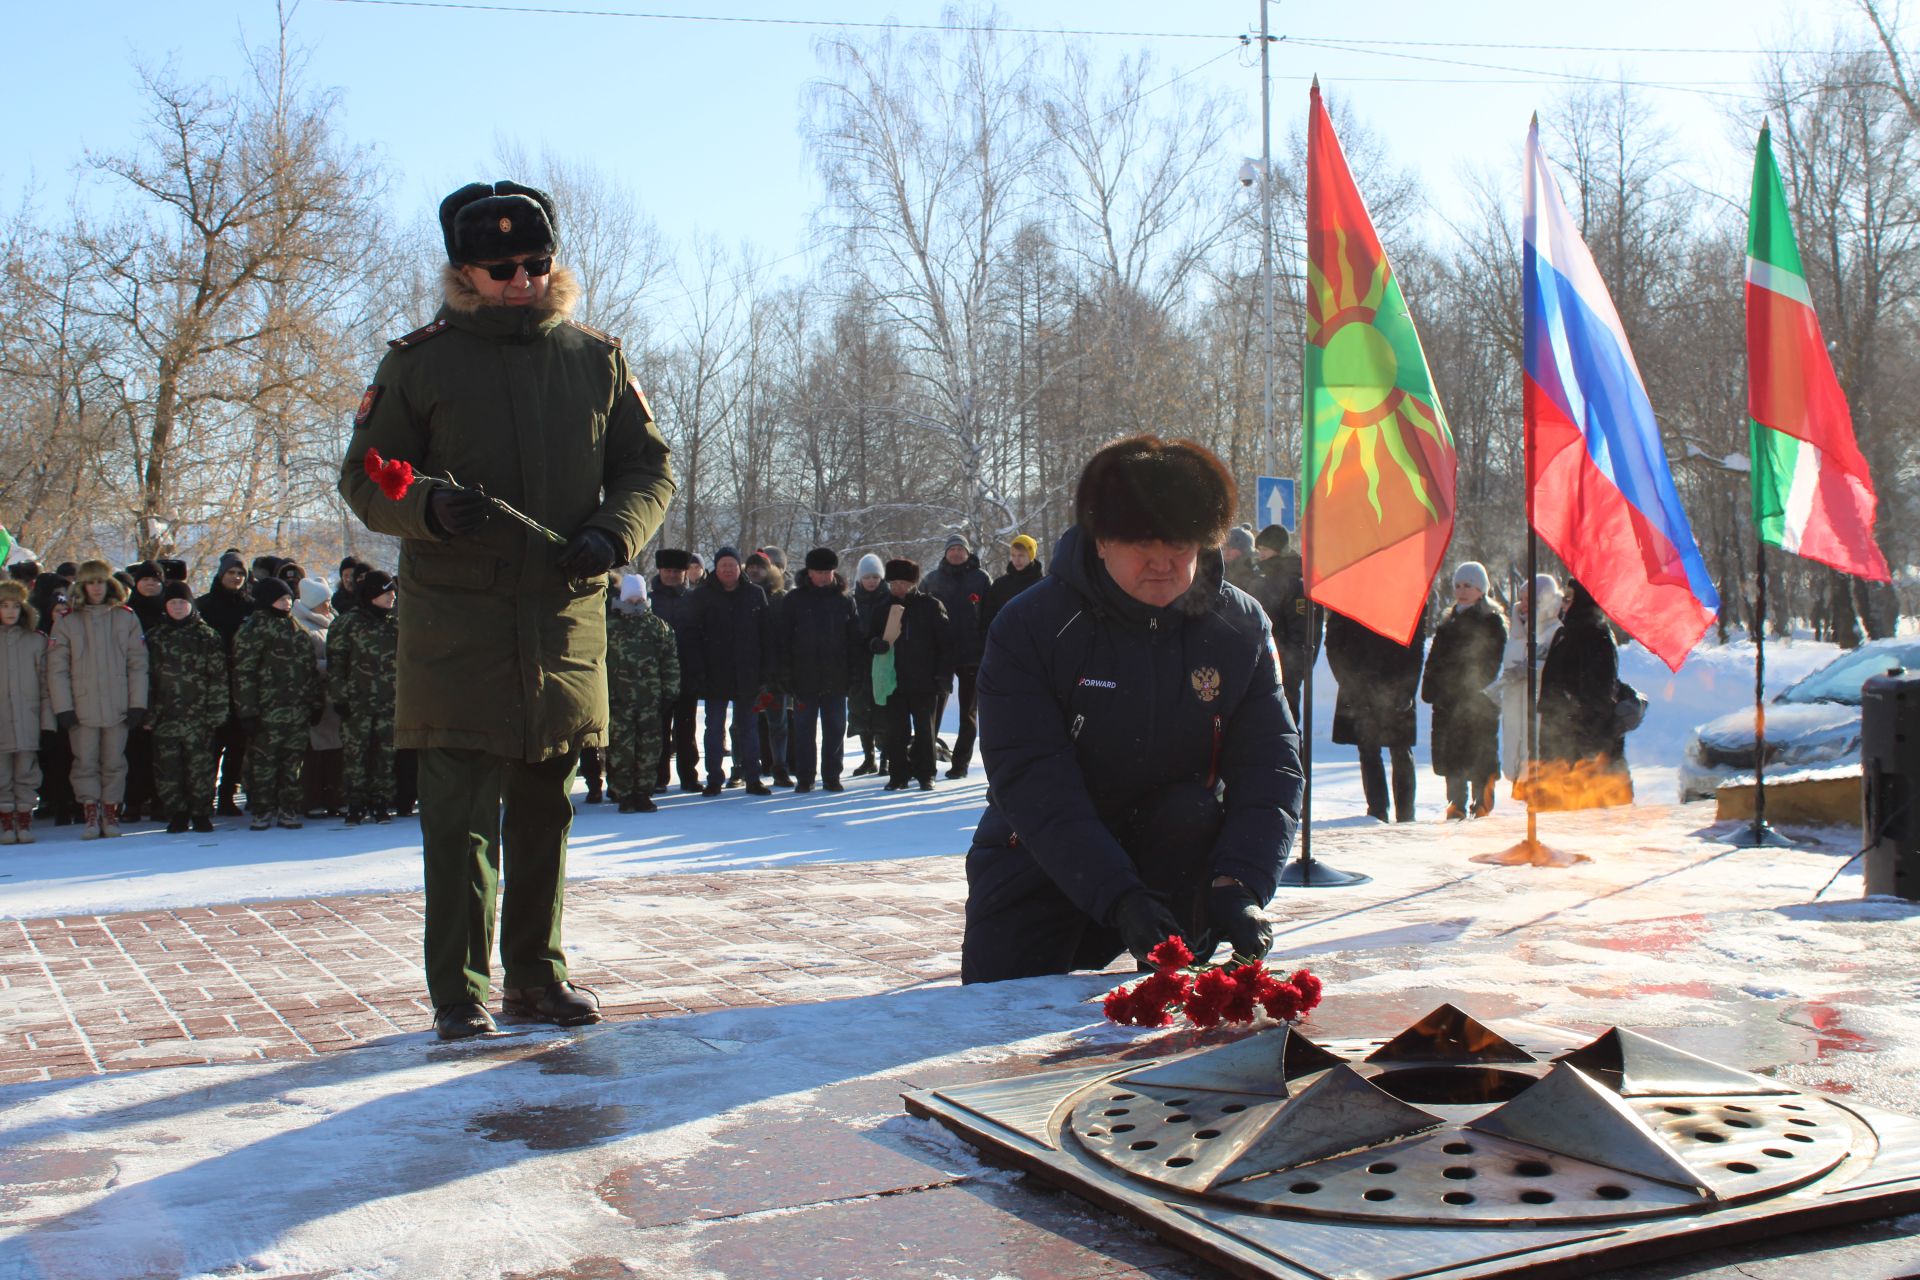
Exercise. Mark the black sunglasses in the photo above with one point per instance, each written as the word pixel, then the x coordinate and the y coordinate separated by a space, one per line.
pixel 506 270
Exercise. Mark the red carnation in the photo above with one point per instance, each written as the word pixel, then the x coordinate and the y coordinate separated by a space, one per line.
pixel 1208 997
pixel 974 598
pixel 1309 988
pixel 1118 1006
pixel 1247 985
pixel 394 477
pixel 1170 955
pixel 1282 1002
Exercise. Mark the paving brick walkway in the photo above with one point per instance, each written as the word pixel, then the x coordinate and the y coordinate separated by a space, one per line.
pixel 88 994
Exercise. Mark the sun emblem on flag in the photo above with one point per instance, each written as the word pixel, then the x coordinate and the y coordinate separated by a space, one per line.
pixel 1372 411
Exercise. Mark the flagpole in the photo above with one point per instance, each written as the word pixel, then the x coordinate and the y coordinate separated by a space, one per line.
pixel 1757 834
pixel 1303 872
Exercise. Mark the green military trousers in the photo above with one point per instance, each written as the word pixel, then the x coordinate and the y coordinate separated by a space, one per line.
pixel 473 806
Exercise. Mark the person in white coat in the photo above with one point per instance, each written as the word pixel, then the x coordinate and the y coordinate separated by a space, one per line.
pixel 1511 687
pixel 23 713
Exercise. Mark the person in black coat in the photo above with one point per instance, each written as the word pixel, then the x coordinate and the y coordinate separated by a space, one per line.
pixel 1583 754
pixel 959 584
pixel 822 650
pixel 1023 570
pixel 865 720
pixel 730 645
pixel 672 600
pixel 915 629
pixel 226 605
pixel 1143 770
pixel 1463 660
pixel 1374 712
pixel 1281 590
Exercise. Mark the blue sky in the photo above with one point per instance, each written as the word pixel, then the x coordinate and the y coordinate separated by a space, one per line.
pixel 701 118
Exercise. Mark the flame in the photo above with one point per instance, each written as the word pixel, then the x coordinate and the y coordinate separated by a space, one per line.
pixel 1593 783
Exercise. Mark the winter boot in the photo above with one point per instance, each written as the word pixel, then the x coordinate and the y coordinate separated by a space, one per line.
pixel 91 828
pixel 926 784
pixel 781 778
pixel 203 824
pixel 594 793
pixel 713 788
pixel 802 787
pixel 6 829
pixel 628 806
pixel 832 784
pixel 354 816
pixel 109 819
pixel 645 804
pixel 261 821
pixel 958 771
pixel 177 825
pixel 867 763
pixel 23 826
pixel 758 788
pixel 380 813
pixel 289 819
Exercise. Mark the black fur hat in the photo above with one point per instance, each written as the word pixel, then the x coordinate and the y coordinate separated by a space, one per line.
pixel 144 569
pixel 267 590
pixel 24 571
pixel 371 583
pixel 902 571
pixel 1144 489
pixel 823 559
pixel 177 590
pixel 671 558
pixel 487 221
pixel 174 570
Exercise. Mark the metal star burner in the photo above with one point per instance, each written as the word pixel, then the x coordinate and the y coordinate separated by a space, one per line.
pixel 1450 1150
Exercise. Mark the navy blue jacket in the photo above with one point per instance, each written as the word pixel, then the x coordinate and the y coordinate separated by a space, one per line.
pixel 962 589
pixel 730 639
pixel 675 607
pixel 821 644
pixel 1091 702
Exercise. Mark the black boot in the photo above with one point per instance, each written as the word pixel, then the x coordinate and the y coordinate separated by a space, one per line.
pixel 178 824
pixel 561 1003
pixel 463 1020
pixel 645 804
pixel 202 823
pixel 354 816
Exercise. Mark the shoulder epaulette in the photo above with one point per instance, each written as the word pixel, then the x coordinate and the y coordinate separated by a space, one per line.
pixel 419 335
pixel 601 334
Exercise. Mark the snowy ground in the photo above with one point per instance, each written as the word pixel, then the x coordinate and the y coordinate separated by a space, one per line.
pixel 148 868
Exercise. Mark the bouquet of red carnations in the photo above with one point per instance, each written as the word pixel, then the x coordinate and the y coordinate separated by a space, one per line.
pixel 1208 995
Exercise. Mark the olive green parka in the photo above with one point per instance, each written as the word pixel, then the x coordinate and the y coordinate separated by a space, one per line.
pixel 498 650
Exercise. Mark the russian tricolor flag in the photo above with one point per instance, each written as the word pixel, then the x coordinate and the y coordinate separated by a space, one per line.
pixel 1598 487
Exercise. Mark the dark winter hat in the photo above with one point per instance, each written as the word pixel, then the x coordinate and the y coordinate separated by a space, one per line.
pixel 723 553
pixel 348 563
pixel 1274 538
pixel 24 570
pixel 177 590
pixel 1144 489
pixel 693 558
pixel 371 583
pixel 145 569
pixel 289 572
pixel 1240 538
pixel 957 541
pixel 173 570
pixel 267 590
pixel 823 559
pixel 758 558
pixel 267 566
pixel 67 569
pixel 671 558
pixel 487 221
pixel 902 571
pixel 775 557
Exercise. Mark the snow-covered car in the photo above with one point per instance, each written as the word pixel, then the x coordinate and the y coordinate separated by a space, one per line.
pixel 1813 723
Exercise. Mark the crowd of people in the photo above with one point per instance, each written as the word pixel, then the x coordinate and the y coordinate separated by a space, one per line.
pixel 124 696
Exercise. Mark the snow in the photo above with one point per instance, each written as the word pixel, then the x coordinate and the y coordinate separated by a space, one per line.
pixel 60 875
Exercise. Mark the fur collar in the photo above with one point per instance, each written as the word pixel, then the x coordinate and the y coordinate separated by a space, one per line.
pixel 563 293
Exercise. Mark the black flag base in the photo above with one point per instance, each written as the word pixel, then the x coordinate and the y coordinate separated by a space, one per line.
pixel 1758 835
pixel 1315 874
pixel 1530 853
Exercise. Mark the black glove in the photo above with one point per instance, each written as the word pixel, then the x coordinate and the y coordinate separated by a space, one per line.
pixel 136 716
pixel 1144 922
pixel 1232 911
pixel 65 720
pixel 590 553
pixel 456 512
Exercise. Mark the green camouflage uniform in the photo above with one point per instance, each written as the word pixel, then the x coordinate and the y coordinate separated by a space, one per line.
pixel 276 680
pixel 189 697
pixel 643 669
pixel 361 660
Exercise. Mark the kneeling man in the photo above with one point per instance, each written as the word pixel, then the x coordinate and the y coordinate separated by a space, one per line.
pixel 1143 770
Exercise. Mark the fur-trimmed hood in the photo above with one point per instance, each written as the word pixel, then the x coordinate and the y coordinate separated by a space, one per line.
pixel 17 592
pixel 562 296
pixel 116 589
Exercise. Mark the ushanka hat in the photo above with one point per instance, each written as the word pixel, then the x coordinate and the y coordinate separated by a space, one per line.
pixel 1145 489
pixel 488 221
pixel 823 559
pixel 671 558
pixel 902 571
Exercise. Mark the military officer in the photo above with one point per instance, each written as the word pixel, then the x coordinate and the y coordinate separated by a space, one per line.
pixel 504 407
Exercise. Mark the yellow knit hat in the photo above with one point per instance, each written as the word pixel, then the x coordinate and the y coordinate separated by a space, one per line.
pixel 1023 543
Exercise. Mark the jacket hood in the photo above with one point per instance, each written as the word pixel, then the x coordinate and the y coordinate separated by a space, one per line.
pixel 116 592
pixel 463 300
pixel 1077 563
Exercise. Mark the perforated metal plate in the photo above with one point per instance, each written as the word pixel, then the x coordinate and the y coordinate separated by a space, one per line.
pixel 1392 1165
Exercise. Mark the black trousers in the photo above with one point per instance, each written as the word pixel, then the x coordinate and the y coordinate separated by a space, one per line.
pixel 1373 781
pixel 969 678
pixel 676 739
pixel 911 721
pixel 1021 925
pixel 230 741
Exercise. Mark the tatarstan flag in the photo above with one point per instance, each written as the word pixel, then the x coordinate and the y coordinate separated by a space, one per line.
pixel 1811 492
pixel 1378 457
